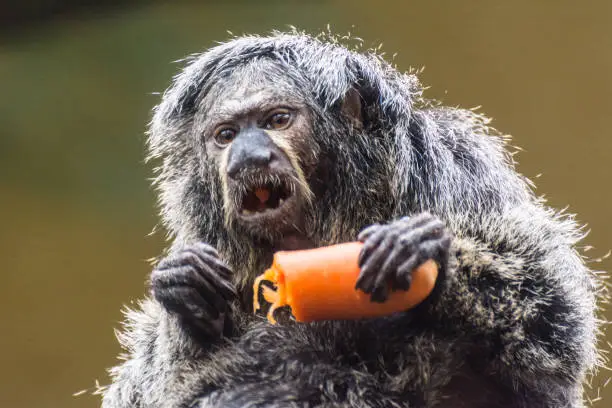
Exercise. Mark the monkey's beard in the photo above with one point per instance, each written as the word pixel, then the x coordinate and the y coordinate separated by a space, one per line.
pixel 270 206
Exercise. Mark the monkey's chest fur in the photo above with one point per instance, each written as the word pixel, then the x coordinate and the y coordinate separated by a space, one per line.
pixel 389 362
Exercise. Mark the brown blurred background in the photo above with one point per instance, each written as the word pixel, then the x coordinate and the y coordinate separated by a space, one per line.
pixel 76 86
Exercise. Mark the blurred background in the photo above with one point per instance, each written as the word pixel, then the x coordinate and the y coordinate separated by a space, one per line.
pixel 78 80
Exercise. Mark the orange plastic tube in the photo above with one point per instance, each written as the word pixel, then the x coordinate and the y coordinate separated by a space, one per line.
pixel 319 284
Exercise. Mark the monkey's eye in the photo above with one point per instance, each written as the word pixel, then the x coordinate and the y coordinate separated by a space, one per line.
pixel 224 136
pixel 278 120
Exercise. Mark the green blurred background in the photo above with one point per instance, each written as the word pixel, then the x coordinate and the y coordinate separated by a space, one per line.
pixel 76 87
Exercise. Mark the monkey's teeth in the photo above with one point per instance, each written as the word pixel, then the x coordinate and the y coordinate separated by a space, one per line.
pixel 281 201
pixel 247 212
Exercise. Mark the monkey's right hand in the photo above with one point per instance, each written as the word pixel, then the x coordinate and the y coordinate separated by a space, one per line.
pixel 195 285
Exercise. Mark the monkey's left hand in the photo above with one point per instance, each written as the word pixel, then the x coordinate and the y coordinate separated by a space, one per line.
pixel 392 251
pixel 195 285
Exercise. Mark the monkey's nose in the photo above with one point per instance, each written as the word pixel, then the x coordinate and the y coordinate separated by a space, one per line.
pixel 256 158
pixel 253 149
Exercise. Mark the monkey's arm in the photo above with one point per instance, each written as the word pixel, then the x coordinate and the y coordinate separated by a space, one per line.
pixel 159 356
pixel 526 300
pixel 173 333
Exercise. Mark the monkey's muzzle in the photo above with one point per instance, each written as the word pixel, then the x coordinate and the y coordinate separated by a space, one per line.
pixel 270 199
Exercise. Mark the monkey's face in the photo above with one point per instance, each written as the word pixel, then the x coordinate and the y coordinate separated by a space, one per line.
pixel 258 153
pixel 260 140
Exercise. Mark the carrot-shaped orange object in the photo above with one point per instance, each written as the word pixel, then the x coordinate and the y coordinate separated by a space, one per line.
pixel 319 284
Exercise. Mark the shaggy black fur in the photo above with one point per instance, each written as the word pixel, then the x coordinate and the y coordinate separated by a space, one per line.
pixel 513 323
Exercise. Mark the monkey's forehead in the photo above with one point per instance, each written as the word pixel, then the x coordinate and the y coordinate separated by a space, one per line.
pixel 254 74
pixel 253 86
pixel 248 101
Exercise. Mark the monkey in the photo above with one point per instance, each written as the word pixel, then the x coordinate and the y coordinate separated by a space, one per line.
pixel 292 141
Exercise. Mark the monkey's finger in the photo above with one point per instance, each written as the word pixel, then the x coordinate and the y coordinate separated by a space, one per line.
pixel 191 256
pixel 217 284
pixel 372 243
pixel 168 262
pixel 179 275
pixel 218 265
pixel 178 258
pixel 207 264
pixel 384 249
pixel 403 275
pixel 368 231
pixel 380 290
pixel 375 262
pixel 206 252
pixel 363 281
pixel 380 294
pixel 389 268
pixel 366 279
pixel 367 275
pixel 206 248
pixel 199 278
pixel 429 229
pixel 200 258
pixel 187 276
pixel 445 241
pixel 430 249
pixel 210 267
pixel 436 249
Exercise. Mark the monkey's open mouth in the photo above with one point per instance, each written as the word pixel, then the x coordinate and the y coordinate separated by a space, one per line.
pixel 264 199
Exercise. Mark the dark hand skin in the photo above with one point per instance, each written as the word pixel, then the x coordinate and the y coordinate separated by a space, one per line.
pixel 195 285
pixel 392 251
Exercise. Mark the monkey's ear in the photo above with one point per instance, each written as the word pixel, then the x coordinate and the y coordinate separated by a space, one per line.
pixel 351 108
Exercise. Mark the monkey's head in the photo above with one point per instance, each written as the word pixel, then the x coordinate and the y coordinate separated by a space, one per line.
pixel 257 132
pixel 289 141
pixel 270 142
